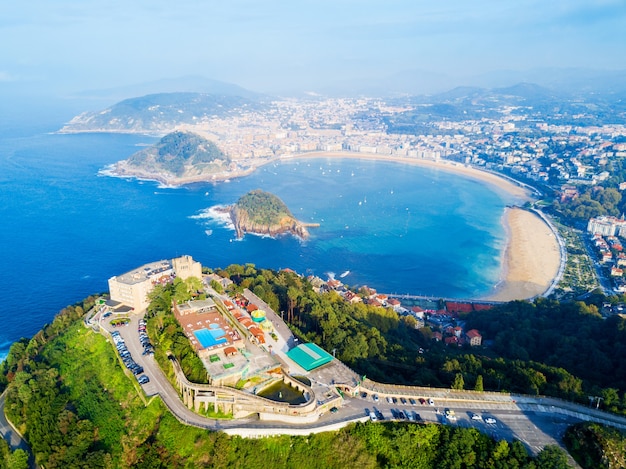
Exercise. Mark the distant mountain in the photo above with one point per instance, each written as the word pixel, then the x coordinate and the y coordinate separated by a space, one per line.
pixel 159 113
pixel 188 84
pixel 529 100
pixel 417 82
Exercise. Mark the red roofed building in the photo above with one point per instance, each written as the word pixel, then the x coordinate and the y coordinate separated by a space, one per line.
pixel 455 307
pixel 452 340
pixel 258 334
pixel 352 297
pixel 474 337
pixel 334 284
pixel 437 336
pixel 374 302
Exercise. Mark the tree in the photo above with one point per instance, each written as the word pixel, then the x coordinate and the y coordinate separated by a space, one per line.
pixel 217 286
pixel 18 460
pixel 459 382
pixel 479 384
pixel 552 457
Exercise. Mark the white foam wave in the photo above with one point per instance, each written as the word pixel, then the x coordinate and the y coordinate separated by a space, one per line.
pixel 213 215
pixel 108 170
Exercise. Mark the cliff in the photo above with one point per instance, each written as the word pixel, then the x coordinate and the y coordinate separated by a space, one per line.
pixel 260 212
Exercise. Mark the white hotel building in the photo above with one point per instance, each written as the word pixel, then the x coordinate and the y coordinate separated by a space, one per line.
pixel 607 226
pixel 132 288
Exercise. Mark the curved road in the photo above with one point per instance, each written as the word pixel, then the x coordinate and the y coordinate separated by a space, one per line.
pixel 11 435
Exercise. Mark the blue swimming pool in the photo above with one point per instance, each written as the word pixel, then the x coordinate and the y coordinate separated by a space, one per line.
pixel 208 338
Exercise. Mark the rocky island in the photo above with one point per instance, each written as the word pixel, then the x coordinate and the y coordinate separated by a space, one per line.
pixel 260 212
pixel 180 158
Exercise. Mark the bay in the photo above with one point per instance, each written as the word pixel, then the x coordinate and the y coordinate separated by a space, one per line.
pixel 65 228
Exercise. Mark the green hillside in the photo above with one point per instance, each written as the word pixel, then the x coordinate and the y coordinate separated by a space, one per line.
pixel 178 152
pixel 156 112
pixel 69 395
pixel 263 208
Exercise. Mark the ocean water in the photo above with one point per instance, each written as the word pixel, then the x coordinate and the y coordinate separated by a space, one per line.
pixel 65 228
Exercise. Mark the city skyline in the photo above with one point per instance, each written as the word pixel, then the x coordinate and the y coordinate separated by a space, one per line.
pixel 278 46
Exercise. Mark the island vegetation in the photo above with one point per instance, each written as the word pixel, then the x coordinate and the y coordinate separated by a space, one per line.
pixel 261 212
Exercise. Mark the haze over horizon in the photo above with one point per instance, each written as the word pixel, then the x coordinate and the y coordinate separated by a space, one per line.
pixel 283 47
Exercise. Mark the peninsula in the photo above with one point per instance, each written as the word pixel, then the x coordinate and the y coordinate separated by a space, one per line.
pixel 260 212
pixel 179 158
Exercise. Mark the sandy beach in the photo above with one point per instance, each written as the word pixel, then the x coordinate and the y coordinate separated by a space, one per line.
pixel 532 256
pixel 531 259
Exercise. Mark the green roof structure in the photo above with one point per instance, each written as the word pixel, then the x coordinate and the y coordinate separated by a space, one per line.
pixel 309 356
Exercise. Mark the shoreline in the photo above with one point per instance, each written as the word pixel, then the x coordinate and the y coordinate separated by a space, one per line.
pixel 531 258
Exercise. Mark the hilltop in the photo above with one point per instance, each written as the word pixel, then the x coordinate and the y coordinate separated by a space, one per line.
pixel 178 158
pixel 159 113
pixel 261 212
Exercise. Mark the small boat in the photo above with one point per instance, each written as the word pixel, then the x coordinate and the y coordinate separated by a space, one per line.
pixel 345 274
pixel 208 232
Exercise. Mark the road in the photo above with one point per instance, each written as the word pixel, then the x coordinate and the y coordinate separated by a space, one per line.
pixel 11 436
pixel 535 421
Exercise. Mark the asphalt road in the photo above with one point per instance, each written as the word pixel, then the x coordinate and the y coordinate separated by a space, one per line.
pixel 11 436
pixel 530 420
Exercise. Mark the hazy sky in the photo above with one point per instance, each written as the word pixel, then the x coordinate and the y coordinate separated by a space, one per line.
pixel 273 44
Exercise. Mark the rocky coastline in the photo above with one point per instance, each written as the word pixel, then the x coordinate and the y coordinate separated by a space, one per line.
pixel 286 226
pixel 262 213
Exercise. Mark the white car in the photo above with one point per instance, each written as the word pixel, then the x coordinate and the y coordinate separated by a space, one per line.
pixel 431 402
pixel 490 421
pixel 373 417
pixel 476 417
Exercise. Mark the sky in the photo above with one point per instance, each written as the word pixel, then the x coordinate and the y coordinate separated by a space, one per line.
pixel 272 45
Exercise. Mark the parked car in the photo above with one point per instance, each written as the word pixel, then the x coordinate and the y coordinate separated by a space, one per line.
pixel 490 420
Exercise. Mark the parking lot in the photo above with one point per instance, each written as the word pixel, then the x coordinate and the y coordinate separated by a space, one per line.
pixel 133 347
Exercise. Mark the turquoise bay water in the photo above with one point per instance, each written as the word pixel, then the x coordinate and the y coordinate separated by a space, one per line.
pixel 397 228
